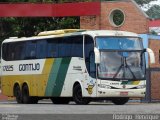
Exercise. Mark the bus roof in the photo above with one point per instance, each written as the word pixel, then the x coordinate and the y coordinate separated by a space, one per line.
pixel 72 32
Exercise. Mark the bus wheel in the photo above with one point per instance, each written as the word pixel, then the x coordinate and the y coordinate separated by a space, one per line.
pixel 77 96
pixel 18 94
pixel 60 100
pixel 25 95
pixel 120 101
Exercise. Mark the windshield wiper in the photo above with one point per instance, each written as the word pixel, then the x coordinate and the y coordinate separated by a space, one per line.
pixel 123 66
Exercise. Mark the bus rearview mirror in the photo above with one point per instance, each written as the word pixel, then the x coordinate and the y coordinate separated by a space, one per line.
pixel 151 55
pixel 97 56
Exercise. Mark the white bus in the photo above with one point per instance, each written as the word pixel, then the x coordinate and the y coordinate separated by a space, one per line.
pixel 79 65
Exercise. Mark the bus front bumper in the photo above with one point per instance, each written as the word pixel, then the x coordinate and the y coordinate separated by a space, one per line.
pixel 138 93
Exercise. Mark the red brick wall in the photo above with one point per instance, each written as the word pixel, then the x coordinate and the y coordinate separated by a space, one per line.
pixel 155 85
pixel 155 75
pixel 135 21
pixel 155 46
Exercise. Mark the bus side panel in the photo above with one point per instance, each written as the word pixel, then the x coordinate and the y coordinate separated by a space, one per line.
pixel 57 76
pixel 77 73
pixel 6 86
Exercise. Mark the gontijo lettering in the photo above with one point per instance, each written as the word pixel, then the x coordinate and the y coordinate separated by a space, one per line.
pixel 29 67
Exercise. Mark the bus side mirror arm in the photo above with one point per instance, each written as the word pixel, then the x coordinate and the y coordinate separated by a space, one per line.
pixel 97 55
pixel 151 55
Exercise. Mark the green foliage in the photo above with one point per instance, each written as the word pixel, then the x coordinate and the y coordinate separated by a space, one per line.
pixel 31 26
pixel 154 12
pixel 142 2
pixel 20 27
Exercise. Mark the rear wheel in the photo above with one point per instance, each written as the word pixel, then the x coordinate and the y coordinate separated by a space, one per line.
pixel 77 96
pixel 18 94
pixel 59 100
pixel 120 101
pixel 26 98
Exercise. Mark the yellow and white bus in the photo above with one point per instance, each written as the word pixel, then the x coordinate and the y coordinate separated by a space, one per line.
pixel 79 65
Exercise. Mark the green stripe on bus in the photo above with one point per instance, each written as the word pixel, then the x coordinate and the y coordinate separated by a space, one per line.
pixel 52 77
pixel 61 77
pixel 57 76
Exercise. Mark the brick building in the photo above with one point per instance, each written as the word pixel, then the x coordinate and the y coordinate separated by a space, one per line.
pixel 134 20
pixel 154 26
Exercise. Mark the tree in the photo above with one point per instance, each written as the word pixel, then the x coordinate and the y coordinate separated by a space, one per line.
pixel 32 26
pixel 143 2
pixel 154 12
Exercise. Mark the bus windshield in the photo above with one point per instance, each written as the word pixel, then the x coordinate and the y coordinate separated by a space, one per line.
pixel 121 58
pixel 119 43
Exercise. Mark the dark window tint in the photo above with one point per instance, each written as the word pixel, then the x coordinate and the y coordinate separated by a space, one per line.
pixel 77 46
pixel 19 51
pixel 52 48
pixel 30 50
pixel 46 48
pixel 13 51
pixel 5 51
pixel 89 46
pixel 89 56
pixel 41 49
pixel 65 46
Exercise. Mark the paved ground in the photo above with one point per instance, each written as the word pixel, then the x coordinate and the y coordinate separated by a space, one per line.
pixel 45 110
pixel 46 107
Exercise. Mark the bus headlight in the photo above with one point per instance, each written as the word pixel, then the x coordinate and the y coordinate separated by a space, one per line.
pixel 104 86
pixel 141 86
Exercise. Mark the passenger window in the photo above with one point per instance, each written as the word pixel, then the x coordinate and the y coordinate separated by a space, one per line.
pixel 41 49
pixel 89 56
pixel 77 46
pixel 19 53
pixel 31 50
pixel 52 50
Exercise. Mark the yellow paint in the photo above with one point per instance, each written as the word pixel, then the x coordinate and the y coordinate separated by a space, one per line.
pixel 136 82
pixel 36 83
pixel 58 32
pixel 90 89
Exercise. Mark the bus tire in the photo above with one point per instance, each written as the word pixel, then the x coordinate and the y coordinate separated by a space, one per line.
pixel 77 96
pixel 18 94
pixel 25 95
pixel 60 100
pixel 120 101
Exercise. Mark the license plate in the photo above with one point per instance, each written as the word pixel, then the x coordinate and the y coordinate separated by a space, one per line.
pixel 123 93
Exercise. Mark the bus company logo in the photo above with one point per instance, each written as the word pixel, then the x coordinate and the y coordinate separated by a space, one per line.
pixel 90 89
pixel 29 67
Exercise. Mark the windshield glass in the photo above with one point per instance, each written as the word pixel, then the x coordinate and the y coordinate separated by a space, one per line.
pixel 121 65
pixel 121 58
pixel 119 43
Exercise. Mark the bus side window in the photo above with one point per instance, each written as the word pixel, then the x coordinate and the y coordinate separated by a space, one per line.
pixel 64 47
pixel 92 66
pixel 5 52
pixel 77 46
pixel 52 48
pixel 41 49
pixel 89 57
pixel 11 51
pixel 19 51
pixel 31 50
